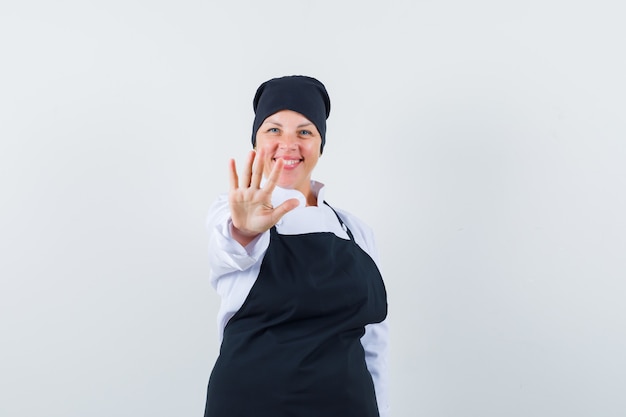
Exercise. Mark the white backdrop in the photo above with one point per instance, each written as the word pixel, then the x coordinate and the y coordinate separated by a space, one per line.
pixel 483 141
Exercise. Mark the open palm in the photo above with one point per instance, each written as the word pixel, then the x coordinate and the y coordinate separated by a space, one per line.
pixel 250 205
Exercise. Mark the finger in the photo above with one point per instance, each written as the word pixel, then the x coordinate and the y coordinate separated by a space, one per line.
pixel 284 208
pixel 247 172
pixel 272 180
pixel 232 174
pixel 257 170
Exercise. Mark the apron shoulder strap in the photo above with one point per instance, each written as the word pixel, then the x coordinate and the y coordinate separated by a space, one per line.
pixel 343 225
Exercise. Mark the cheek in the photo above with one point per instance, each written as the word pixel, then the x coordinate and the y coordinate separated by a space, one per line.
pixel 313 151
pixel 266 145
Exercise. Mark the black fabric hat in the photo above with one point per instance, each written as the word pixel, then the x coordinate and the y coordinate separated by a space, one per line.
pixel 299 93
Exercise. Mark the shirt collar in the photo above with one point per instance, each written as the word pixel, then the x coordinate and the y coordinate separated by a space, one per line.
pixel 280 195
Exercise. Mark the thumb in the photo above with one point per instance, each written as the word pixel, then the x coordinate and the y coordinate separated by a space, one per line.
pixel 285 208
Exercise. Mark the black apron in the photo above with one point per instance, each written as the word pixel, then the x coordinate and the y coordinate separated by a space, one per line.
pixel 293 349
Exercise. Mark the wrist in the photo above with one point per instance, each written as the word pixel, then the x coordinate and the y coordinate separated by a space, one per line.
pixel 242 236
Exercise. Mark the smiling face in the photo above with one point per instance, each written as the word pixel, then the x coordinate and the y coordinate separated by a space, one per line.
pixel 290 136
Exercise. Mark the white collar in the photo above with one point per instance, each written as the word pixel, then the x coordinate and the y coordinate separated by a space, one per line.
pixel 280 195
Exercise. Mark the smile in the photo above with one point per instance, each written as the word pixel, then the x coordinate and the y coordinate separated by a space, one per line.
pixel 290 162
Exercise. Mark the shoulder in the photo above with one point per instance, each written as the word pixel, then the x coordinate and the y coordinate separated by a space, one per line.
pixel 352 221
pixel 355 224
pixel 363 233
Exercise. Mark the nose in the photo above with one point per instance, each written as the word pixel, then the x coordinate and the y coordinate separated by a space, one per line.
pixel 288 141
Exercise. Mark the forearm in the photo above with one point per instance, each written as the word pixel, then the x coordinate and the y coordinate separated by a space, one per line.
pixel 226 253
pixel 376 346
pixel 241 237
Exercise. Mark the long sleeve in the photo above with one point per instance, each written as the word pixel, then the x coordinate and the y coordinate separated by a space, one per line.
pixel 233 268
pixel 376 346
pixel 226 255
pixel 375 341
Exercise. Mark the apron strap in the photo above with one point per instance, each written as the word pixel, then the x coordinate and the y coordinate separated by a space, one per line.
pixel 343 225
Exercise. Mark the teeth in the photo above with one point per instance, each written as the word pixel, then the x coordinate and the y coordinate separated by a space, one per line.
pixel 291 161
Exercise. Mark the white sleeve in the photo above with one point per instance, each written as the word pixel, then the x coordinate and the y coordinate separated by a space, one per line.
pixel 376 346
pixel 375 341
pixel 226 255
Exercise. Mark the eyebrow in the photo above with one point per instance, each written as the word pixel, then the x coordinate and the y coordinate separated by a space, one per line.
pixel 279 125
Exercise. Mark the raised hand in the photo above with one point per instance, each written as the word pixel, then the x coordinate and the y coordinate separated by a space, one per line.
pixel 251 207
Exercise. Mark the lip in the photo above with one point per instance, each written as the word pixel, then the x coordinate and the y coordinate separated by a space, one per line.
pixel 289 163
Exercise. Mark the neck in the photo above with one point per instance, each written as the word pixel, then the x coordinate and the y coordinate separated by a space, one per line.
pixel 311 199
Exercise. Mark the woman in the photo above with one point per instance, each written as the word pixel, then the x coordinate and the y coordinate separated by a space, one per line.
pixel 302 318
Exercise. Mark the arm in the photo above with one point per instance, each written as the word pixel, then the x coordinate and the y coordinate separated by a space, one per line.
pixel 375 341
pixel 238 223
pixel 226 255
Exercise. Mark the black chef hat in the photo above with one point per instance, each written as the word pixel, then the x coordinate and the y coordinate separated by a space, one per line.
pixel 299 93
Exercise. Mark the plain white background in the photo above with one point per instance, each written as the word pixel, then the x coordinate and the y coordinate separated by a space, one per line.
pixel 484 142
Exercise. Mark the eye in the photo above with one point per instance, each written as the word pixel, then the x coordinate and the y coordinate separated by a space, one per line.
pixel 305 132
pixel 273 130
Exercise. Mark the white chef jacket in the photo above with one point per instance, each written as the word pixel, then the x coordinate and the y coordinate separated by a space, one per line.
pixel 234 269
